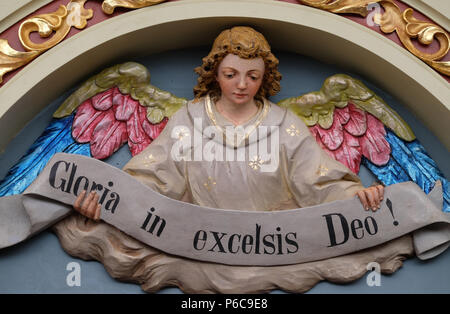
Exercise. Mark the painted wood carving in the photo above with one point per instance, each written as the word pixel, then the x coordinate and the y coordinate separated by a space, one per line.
pixel 119 106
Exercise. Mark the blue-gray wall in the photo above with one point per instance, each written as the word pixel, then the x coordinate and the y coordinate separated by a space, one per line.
pixel 39 264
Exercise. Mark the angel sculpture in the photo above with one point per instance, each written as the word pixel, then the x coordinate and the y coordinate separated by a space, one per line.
pixel 324 136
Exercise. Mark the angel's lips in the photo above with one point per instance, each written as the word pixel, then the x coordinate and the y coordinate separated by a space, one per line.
pixel 240 95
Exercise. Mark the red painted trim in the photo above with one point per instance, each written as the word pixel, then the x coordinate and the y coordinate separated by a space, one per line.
pixel 11 34
pixel 433 47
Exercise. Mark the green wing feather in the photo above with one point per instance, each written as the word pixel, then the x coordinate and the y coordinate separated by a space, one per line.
pixel 131 78
pixel 337 91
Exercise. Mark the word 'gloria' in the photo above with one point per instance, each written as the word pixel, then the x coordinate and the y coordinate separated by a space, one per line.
pixel 63 176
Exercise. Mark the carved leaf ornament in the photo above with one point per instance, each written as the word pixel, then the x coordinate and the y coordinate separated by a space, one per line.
pixel 55 25
pixel 74 14
pixel 406 26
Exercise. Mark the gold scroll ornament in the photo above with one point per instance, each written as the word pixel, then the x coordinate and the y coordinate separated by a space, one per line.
pixel 56 26
pixel 11 59
pixel 108 6
pixel 407 27
pixel 74 14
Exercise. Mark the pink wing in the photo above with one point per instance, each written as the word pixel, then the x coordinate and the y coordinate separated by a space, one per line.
pixel 110 119
pixel 353 134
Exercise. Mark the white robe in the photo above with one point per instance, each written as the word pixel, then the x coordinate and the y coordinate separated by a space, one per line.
pixel 304 174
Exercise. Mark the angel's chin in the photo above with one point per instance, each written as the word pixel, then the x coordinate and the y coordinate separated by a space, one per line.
pixel 241 100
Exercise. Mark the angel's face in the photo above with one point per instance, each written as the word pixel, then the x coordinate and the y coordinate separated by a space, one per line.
pixel 240 79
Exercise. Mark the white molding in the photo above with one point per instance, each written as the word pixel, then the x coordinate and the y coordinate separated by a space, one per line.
pixel 175 25
pixel 437 10
pixel 12 11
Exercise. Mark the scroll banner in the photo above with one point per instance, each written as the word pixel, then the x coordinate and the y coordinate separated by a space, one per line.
pixel 225 236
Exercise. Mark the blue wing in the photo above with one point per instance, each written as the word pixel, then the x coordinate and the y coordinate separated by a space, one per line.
pixel 57 137
pixel 410 162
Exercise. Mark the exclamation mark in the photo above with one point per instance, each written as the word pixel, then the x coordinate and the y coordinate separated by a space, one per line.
pixel 389 205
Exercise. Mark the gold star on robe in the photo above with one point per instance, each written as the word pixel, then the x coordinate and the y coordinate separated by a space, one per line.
pixel 322 170
pixel 293 130
pixel 209 184
pixel 255 163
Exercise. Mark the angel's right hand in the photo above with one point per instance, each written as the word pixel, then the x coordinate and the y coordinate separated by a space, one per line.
pixel 89 207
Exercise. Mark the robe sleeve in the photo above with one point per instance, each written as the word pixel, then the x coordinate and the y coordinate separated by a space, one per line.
pixel 313 176
pixel 156 168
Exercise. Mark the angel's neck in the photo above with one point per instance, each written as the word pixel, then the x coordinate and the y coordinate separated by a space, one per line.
pixel 238 114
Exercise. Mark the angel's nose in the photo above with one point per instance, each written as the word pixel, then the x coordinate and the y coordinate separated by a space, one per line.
pixel 242 83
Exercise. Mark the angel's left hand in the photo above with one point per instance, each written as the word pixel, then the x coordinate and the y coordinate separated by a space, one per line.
pixel 371 197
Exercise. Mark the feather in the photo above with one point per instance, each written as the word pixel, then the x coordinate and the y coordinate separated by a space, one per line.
pixel 392 154
pixel 349 153
pixel 390 173
pixel 342 114
pixel 356 124
pixel 339 91
pixel 410 162
pixel 85 121
pixel 117 75
pixel 55 138
pixel 130 78
pixel 108 136
pixel 124 106
pixel 106 131
pixel 153 130
pixel 136 133
pixel 103 101
pixel 373 144
pixel 138 139
pixel 333 137
pixel 76 148
pixel 340 144
pixel 136 148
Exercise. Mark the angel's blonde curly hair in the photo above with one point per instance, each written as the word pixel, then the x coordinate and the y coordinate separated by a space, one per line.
pixel 246 43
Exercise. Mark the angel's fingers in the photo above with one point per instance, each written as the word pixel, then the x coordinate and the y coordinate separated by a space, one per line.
pixel 363 199
pixel 376 194
pixel 92 207
pixel 85 204
pixel 87 201
pixel 372 196
pixel 77 203
pixel 88 198
pixel 97 212
pixel 380 191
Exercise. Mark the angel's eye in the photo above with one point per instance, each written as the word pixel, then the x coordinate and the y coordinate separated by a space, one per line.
pixel 254 78
pixel 229 75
